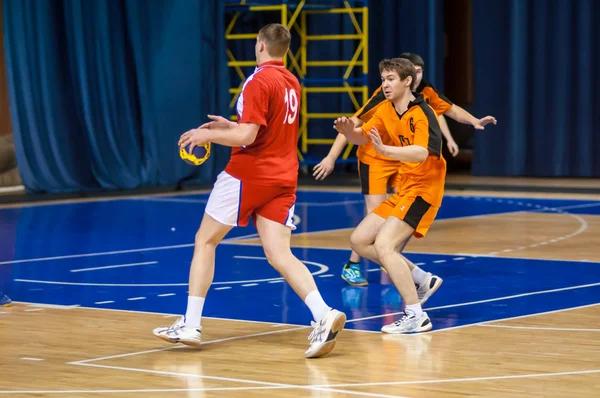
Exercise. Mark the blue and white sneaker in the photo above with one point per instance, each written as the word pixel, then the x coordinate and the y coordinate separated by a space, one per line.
pixel 352 274
pixel 430 286
pixel 409 323
pixel 322 338
pixel 179 333
pixel 5 301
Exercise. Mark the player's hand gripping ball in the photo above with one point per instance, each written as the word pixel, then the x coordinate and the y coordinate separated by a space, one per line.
pixel 197 156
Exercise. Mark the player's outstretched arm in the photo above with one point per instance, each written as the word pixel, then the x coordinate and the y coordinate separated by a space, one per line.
pixel 353 134
pixel 241 134
pixel 460 115
pixel 218 122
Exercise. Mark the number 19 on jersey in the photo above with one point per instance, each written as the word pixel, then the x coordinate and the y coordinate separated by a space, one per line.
pixel 291 104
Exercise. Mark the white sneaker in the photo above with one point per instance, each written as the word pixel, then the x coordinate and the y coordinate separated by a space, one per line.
pixel 322 338
pixel 409 323
pixel 430 286
pixel 179 333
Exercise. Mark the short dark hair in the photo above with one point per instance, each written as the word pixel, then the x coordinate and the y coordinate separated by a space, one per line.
pixel 414 58
pixel 403 67
pixel 277 38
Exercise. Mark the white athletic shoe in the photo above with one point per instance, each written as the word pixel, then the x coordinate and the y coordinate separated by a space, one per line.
pixel 322 338
pixel 179 333
pixel 409 323
pixel 430 286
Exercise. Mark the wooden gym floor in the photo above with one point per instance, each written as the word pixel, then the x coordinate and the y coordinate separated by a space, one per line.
pixel 518 313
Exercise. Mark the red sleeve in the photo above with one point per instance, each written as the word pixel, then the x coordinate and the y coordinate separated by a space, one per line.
pixel 255 103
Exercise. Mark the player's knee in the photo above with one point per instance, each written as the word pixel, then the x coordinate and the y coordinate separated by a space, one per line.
pixel 276 257
pixel 203 239
pixel 383 247
pixel 359 243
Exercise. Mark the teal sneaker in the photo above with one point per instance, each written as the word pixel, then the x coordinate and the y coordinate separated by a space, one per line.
pixel 352 274
pixel 5 301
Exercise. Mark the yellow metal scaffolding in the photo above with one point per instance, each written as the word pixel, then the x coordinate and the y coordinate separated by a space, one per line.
pixel 297 17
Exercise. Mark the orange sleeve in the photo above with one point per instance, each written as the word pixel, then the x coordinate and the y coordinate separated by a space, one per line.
pixel 370 107
pixel 427 131
pixel 421 126
pixel 437 101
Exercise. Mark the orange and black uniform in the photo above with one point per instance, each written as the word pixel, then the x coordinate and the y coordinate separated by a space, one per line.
pixel 378 174
pixel 420 185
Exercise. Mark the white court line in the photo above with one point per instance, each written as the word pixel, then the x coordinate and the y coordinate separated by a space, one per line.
pixel 104 302
pixel 164 314
pixel 113 266
pixel 32 359
pixel 322 269
pixel 165 295
pixel 542 328
pixel 136 298
pixel 299 327
pixel 578 206
pixel 183 346
pixel 55 306
pixel 34 309
pixel 482 301
pixel 230 240
pixel 30 260
pixel 264 384
pixel 485 378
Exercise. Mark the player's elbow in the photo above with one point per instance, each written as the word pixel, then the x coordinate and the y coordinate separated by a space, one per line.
pixel 248 135
pixel 247 139
pixel 420 154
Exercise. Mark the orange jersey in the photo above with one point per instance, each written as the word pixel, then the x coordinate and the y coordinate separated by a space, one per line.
pixel 440 104
pixel 365 152
pixel 417 126
pixel 437 101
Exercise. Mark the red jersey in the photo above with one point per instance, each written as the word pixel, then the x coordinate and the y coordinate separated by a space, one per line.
pixel 271 98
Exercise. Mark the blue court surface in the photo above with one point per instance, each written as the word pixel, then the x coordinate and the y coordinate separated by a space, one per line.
pixel 134 254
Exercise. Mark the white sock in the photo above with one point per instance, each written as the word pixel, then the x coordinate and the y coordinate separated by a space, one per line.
pixel 419 276
pixel 416 309
pixel 193 315
pixel 317 305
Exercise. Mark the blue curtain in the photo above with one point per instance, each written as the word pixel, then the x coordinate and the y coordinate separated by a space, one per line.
pixel 397 26
pixel 101 90
pixel 536 66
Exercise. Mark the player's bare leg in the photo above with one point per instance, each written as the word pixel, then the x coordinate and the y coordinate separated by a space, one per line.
pixel 425 282
pixel 275 238
pixel 392 235
pixel 363 237
pixel 187 329
pixel 352 272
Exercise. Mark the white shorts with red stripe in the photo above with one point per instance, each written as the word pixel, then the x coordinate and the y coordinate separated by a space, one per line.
pixel 233 201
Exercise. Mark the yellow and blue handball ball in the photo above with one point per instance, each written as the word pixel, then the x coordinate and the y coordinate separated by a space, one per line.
pixel 197 156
